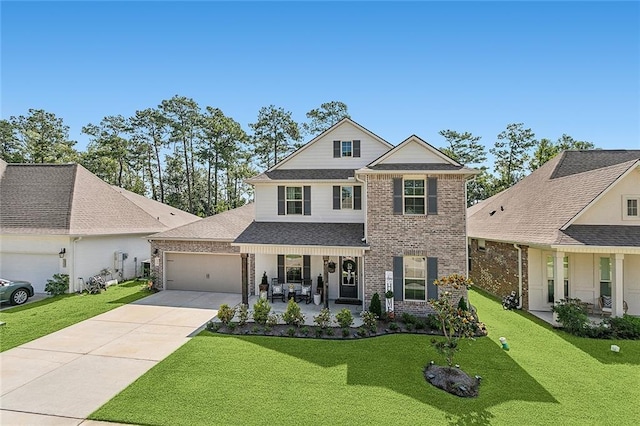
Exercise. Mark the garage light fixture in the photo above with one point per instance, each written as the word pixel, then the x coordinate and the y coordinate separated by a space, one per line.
pixel 63 251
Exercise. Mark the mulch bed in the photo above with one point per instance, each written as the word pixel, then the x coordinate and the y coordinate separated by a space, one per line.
pixel 452 380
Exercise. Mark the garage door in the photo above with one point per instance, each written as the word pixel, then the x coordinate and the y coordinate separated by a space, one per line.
pixel 204 272
pixel 35 268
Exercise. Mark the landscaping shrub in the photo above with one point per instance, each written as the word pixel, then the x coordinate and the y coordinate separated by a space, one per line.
pixel 272 320
pixel 393 326
pixel 255 329
pixel 433 322
pixel 362 331
pixel 408 318
pixel 319 332
pixel 243 314
pixel 344 318
pixel 232 325
pixel 462 305
pixel 330 331
pixel 409 326
pixel 345 332
pixel 59 284
pixel 420 324
pixel 375 306
pixel 510 301
pixel 323 319
pixel 292 315
pixel 370 321
pixel 572 315
pixel 226 313
pixel 624 327
pixel 291 331
pixel 261 311
pixel 304 331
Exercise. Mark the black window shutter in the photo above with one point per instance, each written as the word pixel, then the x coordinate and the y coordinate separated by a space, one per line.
pixel 432 196
pixel 432 275
pixel 306 196
pixel 281 268
pixel 306 267
pixel 336 197
pixel 357 198
pixel 398 278
pixel 337 149
pixel 397 196
pixel 281 206
pixel 356 148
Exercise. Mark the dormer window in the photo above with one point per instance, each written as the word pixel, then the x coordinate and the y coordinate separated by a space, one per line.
pixel 346 149
pixel 631 207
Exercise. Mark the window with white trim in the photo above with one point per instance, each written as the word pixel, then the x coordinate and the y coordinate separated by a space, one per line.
pixel 293 268
pixel 347 149
pixel 631 207
pixel 414 277
pixel 605 276
pixel 346 197
pixel 293 199
pixel 414 196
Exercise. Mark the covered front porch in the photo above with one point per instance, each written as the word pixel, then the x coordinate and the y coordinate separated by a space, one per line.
pixel 311 310
pixel 606 279
pixel 327 256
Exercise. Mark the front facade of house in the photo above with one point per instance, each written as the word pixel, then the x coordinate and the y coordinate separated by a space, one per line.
pixel 347 209
pixel 350 199
pixel 571 229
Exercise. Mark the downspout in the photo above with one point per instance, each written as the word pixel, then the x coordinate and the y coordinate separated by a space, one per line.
pixel 519 275
pixel 73 266
pixel 364 205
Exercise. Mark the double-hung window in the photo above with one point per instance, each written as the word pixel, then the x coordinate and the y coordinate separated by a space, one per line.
pixel 293 268
pixel 414 196
pixel 631 207
pixel 346 197
pixel 605 276
pixel 347 149
pixel 415 278
pixel 294 199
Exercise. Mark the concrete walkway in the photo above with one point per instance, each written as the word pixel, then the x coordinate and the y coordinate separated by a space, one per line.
pixel 61 378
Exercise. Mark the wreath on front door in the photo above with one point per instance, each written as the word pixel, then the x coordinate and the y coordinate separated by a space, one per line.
pixel 349 265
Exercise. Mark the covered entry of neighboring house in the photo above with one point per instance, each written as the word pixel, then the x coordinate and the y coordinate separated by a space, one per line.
pixel 203 272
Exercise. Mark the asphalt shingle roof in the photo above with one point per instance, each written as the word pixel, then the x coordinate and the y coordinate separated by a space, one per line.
pixel 533 210
pixel 416 166
pixel 225 226
pixel 304 234
pixel 67 199
pixel 601 235
pixel 304 174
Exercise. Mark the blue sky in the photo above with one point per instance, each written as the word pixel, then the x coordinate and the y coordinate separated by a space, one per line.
pixel 402 68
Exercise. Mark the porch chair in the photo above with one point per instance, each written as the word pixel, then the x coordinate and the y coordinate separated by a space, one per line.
pixel 604 302
pixel 306 293
pixel 277 290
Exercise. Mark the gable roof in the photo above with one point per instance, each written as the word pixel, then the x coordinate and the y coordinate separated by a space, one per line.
pixel 446 165
pixel 535 209
pixel 67 199
pixel 329 130
pixel 225 226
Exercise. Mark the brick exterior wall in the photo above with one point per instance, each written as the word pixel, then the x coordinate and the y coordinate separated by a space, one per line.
pixel 193 247
pixel 442 235
pixel 495 269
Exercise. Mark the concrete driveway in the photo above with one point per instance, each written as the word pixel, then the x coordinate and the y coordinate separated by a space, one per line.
pixel 65 376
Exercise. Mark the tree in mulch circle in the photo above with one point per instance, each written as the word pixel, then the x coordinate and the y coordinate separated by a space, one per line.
pixel 455 324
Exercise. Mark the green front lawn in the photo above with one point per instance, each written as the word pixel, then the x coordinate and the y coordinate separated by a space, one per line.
pixel 28 322
pixel 543 379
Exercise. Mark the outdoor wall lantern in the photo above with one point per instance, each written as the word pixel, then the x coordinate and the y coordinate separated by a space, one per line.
pixel 63 251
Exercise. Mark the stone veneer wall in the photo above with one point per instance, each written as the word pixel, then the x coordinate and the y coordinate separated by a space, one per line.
pixel 194 247
pixel 495 269
pixel 442 235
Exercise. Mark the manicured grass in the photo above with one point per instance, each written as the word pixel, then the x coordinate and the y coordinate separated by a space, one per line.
pixel 543 379
pixel 28 322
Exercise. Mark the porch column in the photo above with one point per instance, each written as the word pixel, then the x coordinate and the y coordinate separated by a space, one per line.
pixel 558 279
pixel 325 277
pixel 245 278
pixel 617 279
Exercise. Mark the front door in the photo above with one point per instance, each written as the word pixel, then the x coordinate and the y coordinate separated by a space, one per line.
pixel 349 277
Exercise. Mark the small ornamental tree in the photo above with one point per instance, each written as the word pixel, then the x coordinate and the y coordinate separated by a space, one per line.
pixel 375 306
pixel 455 323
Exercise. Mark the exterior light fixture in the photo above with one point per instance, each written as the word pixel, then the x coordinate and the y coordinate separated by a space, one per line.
pixel 63 251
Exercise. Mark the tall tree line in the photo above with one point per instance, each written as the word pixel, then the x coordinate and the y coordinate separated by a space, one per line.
pixel 197 159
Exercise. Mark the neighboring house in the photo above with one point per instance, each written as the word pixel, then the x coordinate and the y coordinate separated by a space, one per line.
pixel 60 218
pixel 349 198
pixel 573 229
